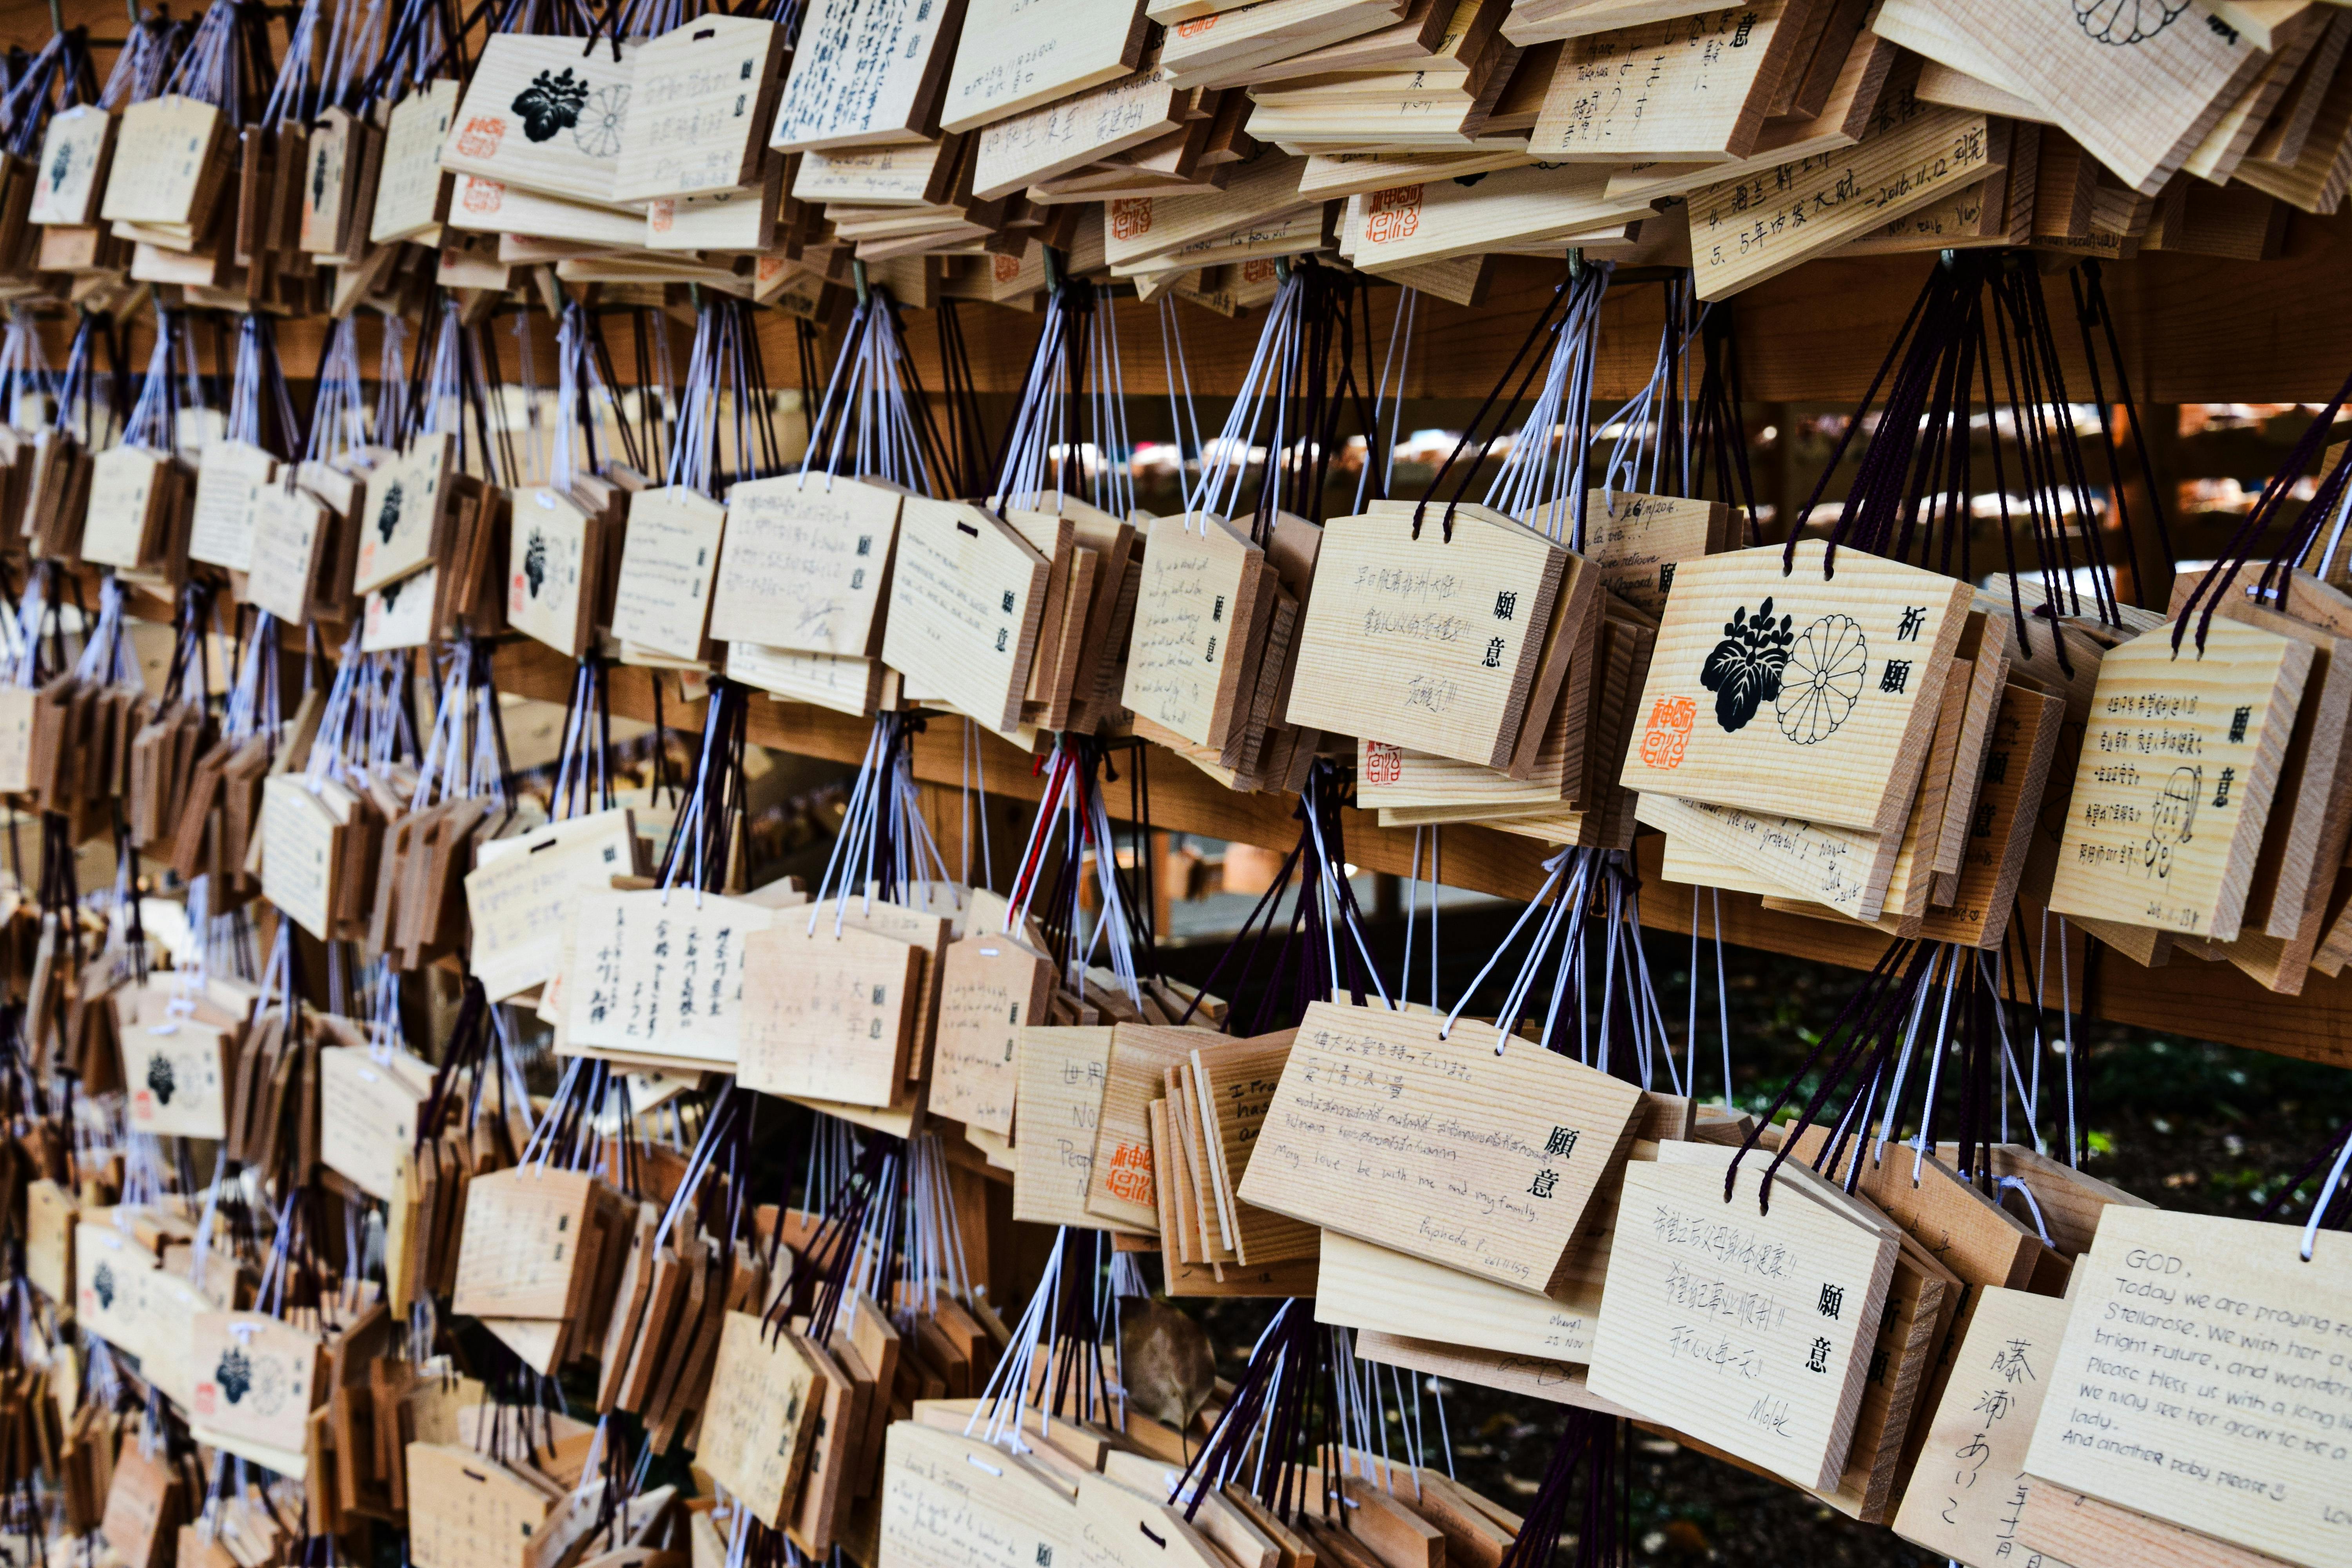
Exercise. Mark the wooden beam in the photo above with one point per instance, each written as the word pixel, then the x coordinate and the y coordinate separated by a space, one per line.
pixel 2210 1001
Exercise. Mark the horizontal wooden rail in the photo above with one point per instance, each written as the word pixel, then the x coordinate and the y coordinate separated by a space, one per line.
pixel 2187 997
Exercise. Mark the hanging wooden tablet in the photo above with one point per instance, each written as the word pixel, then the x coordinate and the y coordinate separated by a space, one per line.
pixel 806 563
pixel 77 151
pixel 1066 135
pixel 1750 1331
pixel 412 191
pixel 1124 1188
pixel 1639 541
pixel 179 1078
pixel 2193 1338
pixel 2086 72
pixel 952 1501
pixel 967 597
pixel 867 75
pixel 519 892
pixel 144 1503
pixel 1915 153
pixel 1361 1286
pixel 1422 642
pixel 128 499
pixel 699 94
pixel 525 1242
pixel 1819 709
pixel 1200 611
pixel 845 684
pixel 659 975
pixel 467 1510
pixel 1964 1496
pixel 991 989
pixel 367 1115
pixel 743 218
pixel 828 1014
pixel 540 114
pixel 111 1270
pixel 762 1414
pixel 336 146
pixel 1060 1096
pixel 302 852
pixel 1232 1085
pixel 1502 1201
pixel 289 530
pixel 400 614
pixel 257 1378
pixel 1000 70
pixel 2179 764
pixel 402 513
pixel 1694 88
pixel 661 597
pixel 167 164
pixel 551 580
pixel 229 483
pixel 50 1218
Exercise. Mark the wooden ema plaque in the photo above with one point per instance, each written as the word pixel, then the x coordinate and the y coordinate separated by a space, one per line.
pixel 179 1078
pixel 1439 1148
pixel 126 484
pixel 1969 1486
pixel 867 73
pixel 1016 55
pixel 542 114
pixel 367 1115
pixel 467 1510
pixel 2138 89
pixel 1359 1285
pixel 520 889
pixel 1421 642
pixel 165 156
pixel 1067 135
pixel 75 152
pixel 400 520
pixel 760 1416
pixel 549 584
pixel 1750 1331
pixel 1694 87
pixel 992 987
pixel 290 525
pixel 1200 608
pixel 2199 1380
pixel 829 1015
pixel 1062 1073
pixel 952 1501
pixel 659 974
pixel 1233 1085
pixel 967 597
pixel 2180 759
pixel 698 96
pixel 524 1231
pixel 1914 155
pixel 806 563
pixel 1123 1189
pixel 412 191
pixel 255 1379
pixel 1640 542
pixel 661 600
pixel 228 495
pixel 1797 694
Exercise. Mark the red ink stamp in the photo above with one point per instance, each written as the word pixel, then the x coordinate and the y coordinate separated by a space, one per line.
pixel 481 136
pixel 1669 734
pixel 1391 215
